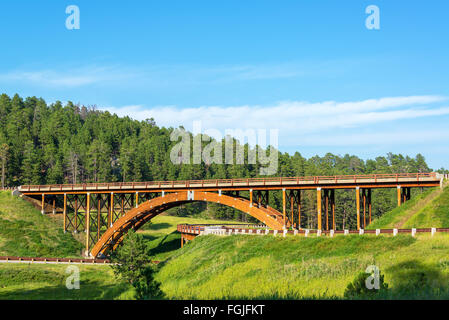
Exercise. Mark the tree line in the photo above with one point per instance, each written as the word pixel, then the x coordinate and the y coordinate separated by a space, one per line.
pixel 44 143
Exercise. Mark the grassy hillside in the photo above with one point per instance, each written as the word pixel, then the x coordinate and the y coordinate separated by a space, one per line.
pixel 24 231
pixel 163 237
pixel 430 209
pixel 212 267
pixel 38 281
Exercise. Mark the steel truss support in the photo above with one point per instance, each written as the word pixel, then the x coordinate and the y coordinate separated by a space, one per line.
pixel 293 207
pixel 93 213
pixel 261 198
pixel 404 194
pixel 75 215
pixel 327 203
pixel 48 203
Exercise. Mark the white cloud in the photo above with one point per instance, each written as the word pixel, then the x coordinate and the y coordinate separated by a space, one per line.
pixel 302 116
pixel 156 76
pixel 411 136
pixel 74 77
pixel 301 121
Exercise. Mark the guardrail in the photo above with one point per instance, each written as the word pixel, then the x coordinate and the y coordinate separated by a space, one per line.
pixel 53 260
pixel 199 229
pixel 232 182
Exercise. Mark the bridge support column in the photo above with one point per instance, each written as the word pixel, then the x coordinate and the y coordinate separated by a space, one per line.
pixel 292 208
pixel 53 206
pixel 319 205
pixel 250 197
pixel 43 204
pixel 283 207
pixel 364 207
pixel 76 214
pixel 111 210
pixel 399 196
pixel 299 209
pixel 326 207
pixel 65 212
pixel 357 197
pixel 333 208
pixel 87 224
pixel 370 207
pixel 99 199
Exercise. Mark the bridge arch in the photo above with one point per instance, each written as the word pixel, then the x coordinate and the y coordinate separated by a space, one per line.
pixel 137 217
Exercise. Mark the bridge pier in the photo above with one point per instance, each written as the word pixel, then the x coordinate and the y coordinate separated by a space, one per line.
pixel 87 223
pixel 367 207
pixel 65 212
pixel 319 205
pixel 43 204
pixel 332 203
pixel 283 207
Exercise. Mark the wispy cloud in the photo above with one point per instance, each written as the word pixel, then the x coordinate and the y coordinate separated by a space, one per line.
pixel 300 116
pixel 156 76
pixel 73 77
pixel 410 136
pixel 325 124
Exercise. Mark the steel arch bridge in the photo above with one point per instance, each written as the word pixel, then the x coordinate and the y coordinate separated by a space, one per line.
pixel 136 217
pixel 106 211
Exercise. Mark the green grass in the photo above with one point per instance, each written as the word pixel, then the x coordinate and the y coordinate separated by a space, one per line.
pixel 238 266
pixel 163 237
pixel 435 214
pixel 44 282
pixel 254 267
pixel 24 231
pixel 429 209
pixel 165 224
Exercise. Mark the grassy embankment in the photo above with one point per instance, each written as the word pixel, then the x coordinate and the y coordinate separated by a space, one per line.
pixel 266 267
pixel 162 235
pixel 242 267
pixel 24 231
pixel 428 210
pixel 45 281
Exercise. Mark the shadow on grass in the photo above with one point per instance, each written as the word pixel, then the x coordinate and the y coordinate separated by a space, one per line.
pixel 412 279
pixel 148 237
pixel 166 244
pixel 89 290
pixel 157 226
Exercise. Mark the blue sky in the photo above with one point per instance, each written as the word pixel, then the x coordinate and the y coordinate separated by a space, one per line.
pixel 308 68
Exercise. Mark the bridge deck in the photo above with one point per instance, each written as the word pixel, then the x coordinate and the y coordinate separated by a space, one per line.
pixel 337 182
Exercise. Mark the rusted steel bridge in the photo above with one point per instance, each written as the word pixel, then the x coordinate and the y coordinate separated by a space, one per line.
pixel 106 211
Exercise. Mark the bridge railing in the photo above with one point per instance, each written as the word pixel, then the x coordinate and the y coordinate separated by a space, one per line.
pixel 233 182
